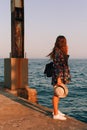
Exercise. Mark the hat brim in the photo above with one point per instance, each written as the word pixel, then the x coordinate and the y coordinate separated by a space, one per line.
pixel 61 90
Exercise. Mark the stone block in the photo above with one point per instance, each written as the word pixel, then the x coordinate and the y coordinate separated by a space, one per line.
pixel 15 73
pixel 32 94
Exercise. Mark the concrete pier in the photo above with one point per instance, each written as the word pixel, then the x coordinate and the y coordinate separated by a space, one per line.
pixel 17 113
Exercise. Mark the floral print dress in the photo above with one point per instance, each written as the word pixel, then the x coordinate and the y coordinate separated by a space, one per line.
pixel 60 68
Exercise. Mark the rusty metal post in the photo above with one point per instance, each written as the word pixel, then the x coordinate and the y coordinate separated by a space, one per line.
pixel 17 28
pixel 16 67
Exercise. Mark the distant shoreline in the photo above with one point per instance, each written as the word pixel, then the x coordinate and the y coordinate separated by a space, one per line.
pixel 48 58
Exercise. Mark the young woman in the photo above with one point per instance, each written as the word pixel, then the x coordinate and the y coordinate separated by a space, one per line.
pixel 60 74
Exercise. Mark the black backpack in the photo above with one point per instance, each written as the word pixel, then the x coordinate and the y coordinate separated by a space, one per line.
pixel 48 69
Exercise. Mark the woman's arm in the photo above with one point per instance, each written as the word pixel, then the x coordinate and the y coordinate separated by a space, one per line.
pixel 59 81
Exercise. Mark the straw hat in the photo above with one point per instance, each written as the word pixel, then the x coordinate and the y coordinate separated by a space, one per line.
pixel 61 90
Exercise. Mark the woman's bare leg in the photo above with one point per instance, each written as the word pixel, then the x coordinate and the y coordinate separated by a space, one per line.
pixel 55 102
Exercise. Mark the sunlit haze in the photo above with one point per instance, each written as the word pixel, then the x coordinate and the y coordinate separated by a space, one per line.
pixel 44 21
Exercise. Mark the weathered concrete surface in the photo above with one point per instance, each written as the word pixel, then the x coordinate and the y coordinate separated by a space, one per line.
pixel 19 114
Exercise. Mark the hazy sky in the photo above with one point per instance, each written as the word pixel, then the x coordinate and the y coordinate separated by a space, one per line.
pixel 44 21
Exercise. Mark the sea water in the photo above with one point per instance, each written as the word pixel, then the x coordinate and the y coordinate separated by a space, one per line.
pixel 75 104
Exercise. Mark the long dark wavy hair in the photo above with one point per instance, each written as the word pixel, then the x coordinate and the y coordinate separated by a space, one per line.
pixel 60 44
